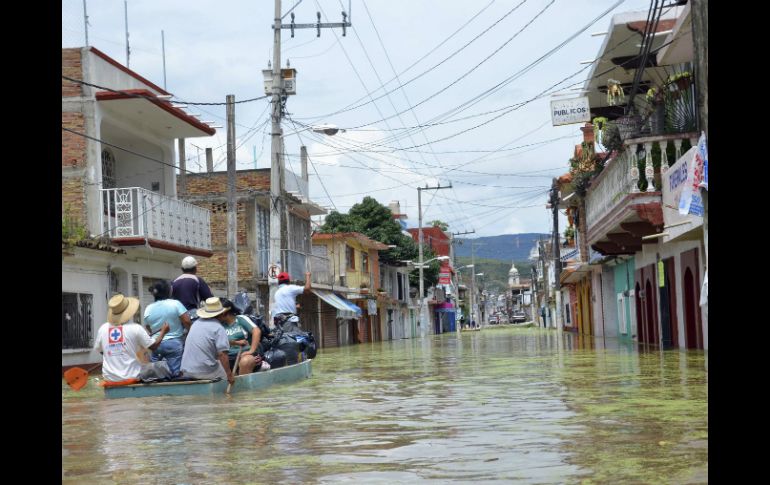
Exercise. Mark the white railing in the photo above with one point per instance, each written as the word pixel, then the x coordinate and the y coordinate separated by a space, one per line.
pixel 295 184
pixel 622 176
pixel 296 264
pixel 137 212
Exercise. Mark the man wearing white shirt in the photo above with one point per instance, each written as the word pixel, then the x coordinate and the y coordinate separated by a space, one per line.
pixel 285 304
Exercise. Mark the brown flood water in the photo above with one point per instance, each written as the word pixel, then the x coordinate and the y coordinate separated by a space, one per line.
pixel 501 405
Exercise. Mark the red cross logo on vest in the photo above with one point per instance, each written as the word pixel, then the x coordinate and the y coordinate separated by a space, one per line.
pixel 115 336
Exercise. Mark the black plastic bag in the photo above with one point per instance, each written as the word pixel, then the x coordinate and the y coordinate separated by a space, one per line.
pixel 276 358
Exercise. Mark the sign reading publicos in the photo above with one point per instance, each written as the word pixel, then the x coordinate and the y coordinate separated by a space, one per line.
pixel 568 111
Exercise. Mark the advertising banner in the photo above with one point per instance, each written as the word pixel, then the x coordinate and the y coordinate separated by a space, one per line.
pixel 690 202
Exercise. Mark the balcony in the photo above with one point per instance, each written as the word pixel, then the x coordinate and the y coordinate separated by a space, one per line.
pixel 624 200
pixel 297 264
pixel 134 216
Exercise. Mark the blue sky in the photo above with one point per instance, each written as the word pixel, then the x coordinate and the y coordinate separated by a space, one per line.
pixel 219 48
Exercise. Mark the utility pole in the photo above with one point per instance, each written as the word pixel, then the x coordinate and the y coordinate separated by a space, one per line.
pixel 128 49
pixel 163 47
pixel 232 219
pixel 556 252
pixel 182 168
pixel 419 230
pixel 457 327
pixel 276 142
pixel 85 20
pixel 700 37
pixel 209 160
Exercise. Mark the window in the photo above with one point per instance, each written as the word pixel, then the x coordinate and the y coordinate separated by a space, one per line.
pixel 400 277
pixel 108 170
pixel 364 262
pixel 350 257
pixel 76 320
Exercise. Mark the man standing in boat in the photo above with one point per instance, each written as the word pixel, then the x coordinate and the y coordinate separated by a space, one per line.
pixel 205 351
pixel 286 297
pixel 189 288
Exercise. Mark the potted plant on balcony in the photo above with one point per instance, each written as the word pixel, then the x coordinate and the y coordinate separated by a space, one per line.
pixel 656 114
pixel 680 81
pixel 569 235
pixel 615 94
pixel 364 288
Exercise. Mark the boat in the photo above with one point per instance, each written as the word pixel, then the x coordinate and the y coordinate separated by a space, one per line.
pixel 476 329
pixel 248 382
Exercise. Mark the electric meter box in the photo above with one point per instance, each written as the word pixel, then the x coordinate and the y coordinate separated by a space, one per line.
pixel 289 76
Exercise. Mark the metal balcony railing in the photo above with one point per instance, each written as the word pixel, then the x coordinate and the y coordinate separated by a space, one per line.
pixel 136 212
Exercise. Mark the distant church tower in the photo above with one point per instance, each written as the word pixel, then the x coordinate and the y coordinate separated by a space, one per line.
pixel 513 276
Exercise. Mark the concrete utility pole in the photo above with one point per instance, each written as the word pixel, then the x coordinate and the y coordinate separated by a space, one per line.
pixel 556 252
pixel 419 231
pixel 182 168
pixel 163 47
pixel 128 49
pixel 209 160
pixel 85 20
pixel 232 216
pixel 276 142
pixel 454 264
pixel 700 38
pixel 276 165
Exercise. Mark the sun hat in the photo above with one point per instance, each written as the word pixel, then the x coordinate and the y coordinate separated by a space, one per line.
pixel 189 263
pixel 211 308
pixel 121 309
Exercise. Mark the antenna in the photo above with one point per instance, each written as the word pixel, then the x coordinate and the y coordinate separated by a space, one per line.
pixel 128 49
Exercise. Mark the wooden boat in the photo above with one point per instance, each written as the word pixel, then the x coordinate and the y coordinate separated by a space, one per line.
pixel 248 382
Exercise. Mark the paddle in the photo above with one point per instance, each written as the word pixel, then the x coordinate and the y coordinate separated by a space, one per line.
pixel 235 369
pixel 77 378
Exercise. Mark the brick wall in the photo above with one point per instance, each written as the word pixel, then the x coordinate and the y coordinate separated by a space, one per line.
pixel 71 66
pixel 214 269
pixel 215 183
pixel 73 147
pixel 219 223
pixel 73 152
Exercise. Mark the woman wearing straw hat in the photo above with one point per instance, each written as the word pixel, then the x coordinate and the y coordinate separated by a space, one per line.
pixel 122 341
pixel 205 350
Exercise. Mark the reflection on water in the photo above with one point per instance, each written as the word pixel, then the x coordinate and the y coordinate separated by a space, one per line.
pixel 501 405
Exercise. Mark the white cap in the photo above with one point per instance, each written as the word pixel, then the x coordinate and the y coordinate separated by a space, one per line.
pixel 189 262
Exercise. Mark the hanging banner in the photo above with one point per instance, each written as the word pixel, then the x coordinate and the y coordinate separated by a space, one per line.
pixel 568 111
pixel 691 201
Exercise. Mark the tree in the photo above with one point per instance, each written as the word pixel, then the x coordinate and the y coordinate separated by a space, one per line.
pixel 440 224
pixel 375 221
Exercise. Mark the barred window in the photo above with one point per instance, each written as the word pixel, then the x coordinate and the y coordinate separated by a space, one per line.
pixel 76 320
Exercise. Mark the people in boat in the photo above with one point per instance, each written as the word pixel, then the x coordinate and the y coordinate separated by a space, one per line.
pixel 123 343
pixel 189 288
pixel 286 297
pixel 242 333
pixel 170 311
pixel 206 348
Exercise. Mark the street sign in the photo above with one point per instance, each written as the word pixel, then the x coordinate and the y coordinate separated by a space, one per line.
pixel 569 111
pixel 272 273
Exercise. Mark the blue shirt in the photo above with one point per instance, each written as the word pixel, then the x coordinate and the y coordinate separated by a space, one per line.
pixel 165 311
pixel 190 290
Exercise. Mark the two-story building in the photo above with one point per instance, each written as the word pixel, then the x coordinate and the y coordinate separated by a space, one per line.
pixel 355 275
pixel 644 283
pixel 119 193
pixel 396 318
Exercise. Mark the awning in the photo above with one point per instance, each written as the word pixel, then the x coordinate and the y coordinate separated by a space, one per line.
pixel 345 308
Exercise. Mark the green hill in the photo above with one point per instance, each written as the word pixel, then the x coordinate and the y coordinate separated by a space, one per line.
pixel 495 277
pixel 506 247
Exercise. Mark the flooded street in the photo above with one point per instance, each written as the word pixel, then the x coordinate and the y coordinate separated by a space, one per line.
pixel 500 405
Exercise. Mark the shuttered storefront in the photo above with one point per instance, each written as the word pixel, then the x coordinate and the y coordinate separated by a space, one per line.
pixel 329 322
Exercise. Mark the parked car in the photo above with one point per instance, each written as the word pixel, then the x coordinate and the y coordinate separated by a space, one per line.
pixel 519 316
pixel 494 320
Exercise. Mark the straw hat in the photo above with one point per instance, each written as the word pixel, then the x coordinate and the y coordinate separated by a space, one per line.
pixel 121 309
pixel 212 308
